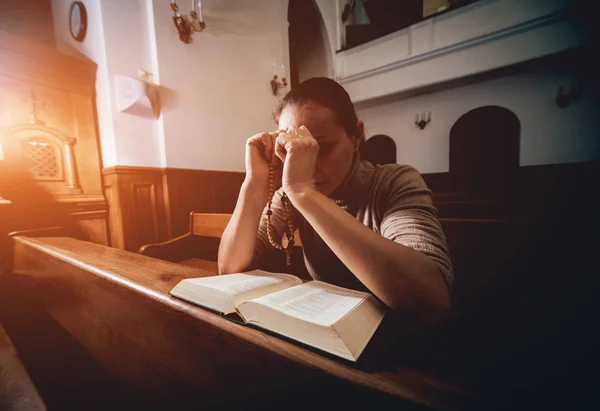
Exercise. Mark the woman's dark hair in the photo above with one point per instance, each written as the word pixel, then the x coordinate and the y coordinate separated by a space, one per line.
pixel 326 92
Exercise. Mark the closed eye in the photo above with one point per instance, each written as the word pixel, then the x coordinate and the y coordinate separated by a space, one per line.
pixel 324 149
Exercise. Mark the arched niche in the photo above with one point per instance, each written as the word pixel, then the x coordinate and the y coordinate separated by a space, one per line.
pixel 46 153
pixel 484 151
pixel 309 42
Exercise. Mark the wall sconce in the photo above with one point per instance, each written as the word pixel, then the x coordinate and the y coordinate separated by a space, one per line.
pixel 186 25
pixel 276 84
pixel 563 99
pixel 421 121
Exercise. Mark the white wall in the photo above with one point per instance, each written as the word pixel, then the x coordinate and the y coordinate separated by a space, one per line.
pixel 119 41
pixel 218 86
pixel 216 90
pixel 128 42
pixel 93 47
pixel 549 135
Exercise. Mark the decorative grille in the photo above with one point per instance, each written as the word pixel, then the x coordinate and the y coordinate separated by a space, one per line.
pixel 42 159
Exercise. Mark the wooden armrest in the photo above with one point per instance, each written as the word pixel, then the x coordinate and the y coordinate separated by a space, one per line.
pixel 184 247
pixel 41 232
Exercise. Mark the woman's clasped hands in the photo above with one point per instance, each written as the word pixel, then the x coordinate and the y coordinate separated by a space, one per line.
pixel 293 154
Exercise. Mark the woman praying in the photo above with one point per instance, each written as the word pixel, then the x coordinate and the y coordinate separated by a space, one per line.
pixel 365 227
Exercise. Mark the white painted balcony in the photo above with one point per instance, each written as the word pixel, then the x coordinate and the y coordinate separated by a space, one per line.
pixel 476 38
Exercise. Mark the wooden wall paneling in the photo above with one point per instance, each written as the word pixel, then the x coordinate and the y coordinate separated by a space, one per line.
pixel 137 206
pixel 15 104
pixel 203 191
pixel 93 225
pixel 149 205
pixel 145 206
pixel 38 64
pixel 30 19
pixel 189 190
pixel 227 189
pixel 168 207
pixel 115 221
pixel 89 214
pixel 88 158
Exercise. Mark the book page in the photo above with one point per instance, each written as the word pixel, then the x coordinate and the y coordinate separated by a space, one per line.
pixel 316 302
pixel 245 286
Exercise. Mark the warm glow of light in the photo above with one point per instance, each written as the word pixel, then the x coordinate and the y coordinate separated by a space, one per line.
pixel 1 153
pixel 38 143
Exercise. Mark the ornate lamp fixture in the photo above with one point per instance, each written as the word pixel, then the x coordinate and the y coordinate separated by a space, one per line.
pixel 421 120
pixel 186 25
pixel 277 84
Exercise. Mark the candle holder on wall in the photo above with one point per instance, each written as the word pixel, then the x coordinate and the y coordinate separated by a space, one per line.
pixel 277 84
pixel 421 120
pixel 564 98
pixel 187 25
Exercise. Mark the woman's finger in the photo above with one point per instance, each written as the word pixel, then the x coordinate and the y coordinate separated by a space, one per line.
pixel 304 132
pixel 280 143
pixel 273 135
pixel 267 141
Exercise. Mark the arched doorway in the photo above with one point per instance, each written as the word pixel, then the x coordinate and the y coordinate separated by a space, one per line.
pixel 310 52
pixel 484 151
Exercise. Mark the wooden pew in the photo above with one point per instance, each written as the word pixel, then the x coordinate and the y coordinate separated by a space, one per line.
pixel 199 247
pixel 477 245
pixel 17 392
pixel 116 304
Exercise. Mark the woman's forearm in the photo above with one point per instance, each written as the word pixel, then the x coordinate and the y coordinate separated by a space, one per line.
pixel 238 242
pixel 400 276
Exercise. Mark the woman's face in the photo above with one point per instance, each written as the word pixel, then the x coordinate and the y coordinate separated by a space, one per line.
pixel 336 148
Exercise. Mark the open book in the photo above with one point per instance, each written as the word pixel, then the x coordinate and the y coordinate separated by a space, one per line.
pixel 331 318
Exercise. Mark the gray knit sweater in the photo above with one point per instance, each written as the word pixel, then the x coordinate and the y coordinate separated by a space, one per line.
pixel 392 200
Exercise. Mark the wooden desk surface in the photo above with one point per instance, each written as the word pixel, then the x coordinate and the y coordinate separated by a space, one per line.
pixel 116 304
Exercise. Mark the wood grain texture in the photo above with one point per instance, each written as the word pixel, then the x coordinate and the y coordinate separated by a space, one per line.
pixel 17 392
pixel 43 65
pixel 209 224
pixel 137 205
pixel 150 205
pixel 116 304
pixel 203 191
pixel 200 246
pixel 60 90
pixel 29 19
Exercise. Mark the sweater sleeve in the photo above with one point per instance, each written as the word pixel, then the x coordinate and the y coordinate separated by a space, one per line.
pixel 409 217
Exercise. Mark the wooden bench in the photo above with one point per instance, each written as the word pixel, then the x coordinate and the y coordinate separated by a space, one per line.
pixel 180 356
pixel 479 246
pixel 199 247
pixel 17 392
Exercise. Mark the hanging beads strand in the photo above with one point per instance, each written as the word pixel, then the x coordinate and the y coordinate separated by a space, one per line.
pixel 288 217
